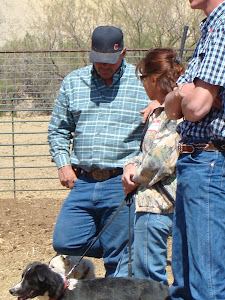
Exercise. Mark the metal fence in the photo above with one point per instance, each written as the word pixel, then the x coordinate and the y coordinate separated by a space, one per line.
pixel 29 82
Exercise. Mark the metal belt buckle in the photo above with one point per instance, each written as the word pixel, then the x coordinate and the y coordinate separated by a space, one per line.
pixel 189 148
pixel 100 175
pixel 180 148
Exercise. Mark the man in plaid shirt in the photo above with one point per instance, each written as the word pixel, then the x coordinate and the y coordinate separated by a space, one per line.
pixel 198 254
pixel 98 107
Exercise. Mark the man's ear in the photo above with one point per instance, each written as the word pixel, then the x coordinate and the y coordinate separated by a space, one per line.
pixel 124 51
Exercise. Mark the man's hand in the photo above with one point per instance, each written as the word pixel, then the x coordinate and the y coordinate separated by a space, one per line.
pixel 67 176
pixel 128 184
pixel 149 110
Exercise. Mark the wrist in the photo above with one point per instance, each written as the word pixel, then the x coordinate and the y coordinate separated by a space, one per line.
pixel 179 89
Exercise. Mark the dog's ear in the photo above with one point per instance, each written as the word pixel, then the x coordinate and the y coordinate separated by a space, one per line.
pixel 41 274
pixel 66 260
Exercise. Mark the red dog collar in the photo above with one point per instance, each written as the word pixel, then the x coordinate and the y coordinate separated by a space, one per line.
pixel 64 288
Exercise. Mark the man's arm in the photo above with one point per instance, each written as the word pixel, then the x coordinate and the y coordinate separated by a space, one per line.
pixel 191 101
pixel 60 130
pixel 197 104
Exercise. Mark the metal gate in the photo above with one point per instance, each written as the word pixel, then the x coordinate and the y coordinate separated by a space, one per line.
pixel 29 82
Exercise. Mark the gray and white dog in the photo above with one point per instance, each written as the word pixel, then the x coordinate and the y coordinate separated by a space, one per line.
pixel 64 263
pixel 38 280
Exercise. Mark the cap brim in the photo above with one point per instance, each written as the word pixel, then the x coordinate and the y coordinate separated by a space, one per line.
pixel 106 58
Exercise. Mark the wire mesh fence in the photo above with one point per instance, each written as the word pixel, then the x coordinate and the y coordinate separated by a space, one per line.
pixel 29 83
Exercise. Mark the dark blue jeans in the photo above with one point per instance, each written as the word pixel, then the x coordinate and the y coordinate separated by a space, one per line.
pixel 198 254
pixel 87 209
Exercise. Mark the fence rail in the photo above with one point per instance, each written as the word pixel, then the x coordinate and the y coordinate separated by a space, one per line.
pixel 29 82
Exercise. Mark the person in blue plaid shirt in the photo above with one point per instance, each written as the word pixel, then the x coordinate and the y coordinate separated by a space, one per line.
pixel 198 251
pixel 98 107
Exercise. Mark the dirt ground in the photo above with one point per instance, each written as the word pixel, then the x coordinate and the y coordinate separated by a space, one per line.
pixel 26 228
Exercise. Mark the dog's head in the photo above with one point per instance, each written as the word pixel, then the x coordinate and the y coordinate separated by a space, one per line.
pixel 60 264
pixel 37 280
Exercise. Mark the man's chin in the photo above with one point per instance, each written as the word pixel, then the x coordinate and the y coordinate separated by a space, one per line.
pixel 105 74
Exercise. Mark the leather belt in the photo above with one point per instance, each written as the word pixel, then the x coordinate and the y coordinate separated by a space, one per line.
pixel 102 175
pixel 99 174
pixel 192 147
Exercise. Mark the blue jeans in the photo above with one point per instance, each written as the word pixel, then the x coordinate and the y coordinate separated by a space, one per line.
pixel 87 209
pixel 198 249
pixel 149 248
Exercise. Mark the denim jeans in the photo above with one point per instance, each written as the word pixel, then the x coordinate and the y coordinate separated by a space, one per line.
pixel 87 209
pixel 149 247
pixel 151 232
pixel 198 248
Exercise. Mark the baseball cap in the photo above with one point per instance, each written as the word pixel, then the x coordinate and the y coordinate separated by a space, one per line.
pixel 107 45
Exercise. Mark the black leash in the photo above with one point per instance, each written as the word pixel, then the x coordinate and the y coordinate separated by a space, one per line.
pixel 159 186
pixel 128 201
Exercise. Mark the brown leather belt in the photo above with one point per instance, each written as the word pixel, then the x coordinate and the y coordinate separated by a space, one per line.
pixel 102 175
pixel 210 146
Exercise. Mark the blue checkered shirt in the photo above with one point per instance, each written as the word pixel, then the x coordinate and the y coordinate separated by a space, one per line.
pixel 104 124
pixel 208 64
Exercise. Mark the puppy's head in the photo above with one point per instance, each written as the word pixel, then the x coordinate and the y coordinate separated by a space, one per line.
pixel 60 264
pixel 33 283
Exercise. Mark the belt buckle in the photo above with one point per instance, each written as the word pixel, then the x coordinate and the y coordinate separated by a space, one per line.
pixel 181 150
pixel 100 175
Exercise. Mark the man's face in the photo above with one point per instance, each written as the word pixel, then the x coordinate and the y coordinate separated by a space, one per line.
pixel 206 5
pixel 106 71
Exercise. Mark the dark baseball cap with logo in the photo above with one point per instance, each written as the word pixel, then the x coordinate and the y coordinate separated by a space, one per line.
pixel 107 45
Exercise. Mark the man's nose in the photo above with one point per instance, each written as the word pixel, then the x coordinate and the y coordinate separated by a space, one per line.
pixel 105 65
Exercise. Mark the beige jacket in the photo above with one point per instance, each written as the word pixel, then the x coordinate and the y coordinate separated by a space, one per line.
pixel 157 162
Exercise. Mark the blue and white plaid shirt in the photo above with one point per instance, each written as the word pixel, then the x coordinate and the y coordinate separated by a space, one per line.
pixel 104 123
pixel 208 64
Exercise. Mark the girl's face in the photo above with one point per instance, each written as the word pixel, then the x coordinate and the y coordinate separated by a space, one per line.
pixel 150 86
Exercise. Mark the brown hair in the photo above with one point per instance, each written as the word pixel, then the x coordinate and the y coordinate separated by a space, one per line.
pixel 163 62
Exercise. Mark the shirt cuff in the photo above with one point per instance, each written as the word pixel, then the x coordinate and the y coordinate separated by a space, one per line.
pixel 62 160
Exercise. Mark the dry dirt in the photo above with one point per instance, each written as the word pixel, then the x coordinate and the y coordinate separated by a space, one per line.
pixel 26 228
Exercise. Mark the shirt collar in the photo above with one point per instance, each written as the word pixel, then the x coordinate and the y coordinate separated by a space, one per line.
pixel 208 24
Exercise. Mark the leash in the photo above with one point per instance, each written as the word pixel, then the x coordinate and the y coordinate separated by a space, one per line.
pixel 159 186
pixel 128 201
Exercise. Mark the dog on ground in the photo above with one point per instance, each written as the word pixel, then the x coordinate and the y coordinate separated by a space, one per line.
pixel 64 263
pixel 38 280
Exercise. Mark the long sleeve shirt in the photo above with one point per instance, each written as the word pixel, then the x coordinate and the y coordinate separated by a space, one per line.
pixel 208 64
pixel 156 163
pixel 103 124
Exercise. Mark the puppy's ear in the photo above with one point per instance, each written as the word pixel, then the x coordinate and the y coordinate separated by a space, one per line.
pixel 66 260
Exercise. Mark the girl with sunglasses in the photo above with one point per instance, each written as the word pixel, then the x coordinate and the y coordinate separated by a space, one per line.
pixel 153 172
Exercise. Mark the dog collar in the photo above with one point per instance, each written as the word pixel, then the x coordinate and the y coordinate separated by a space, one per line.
pixel 64 288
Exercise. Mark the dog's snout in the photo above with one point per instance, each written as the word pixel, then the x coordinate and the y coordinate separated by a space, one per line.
pixel 12 291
